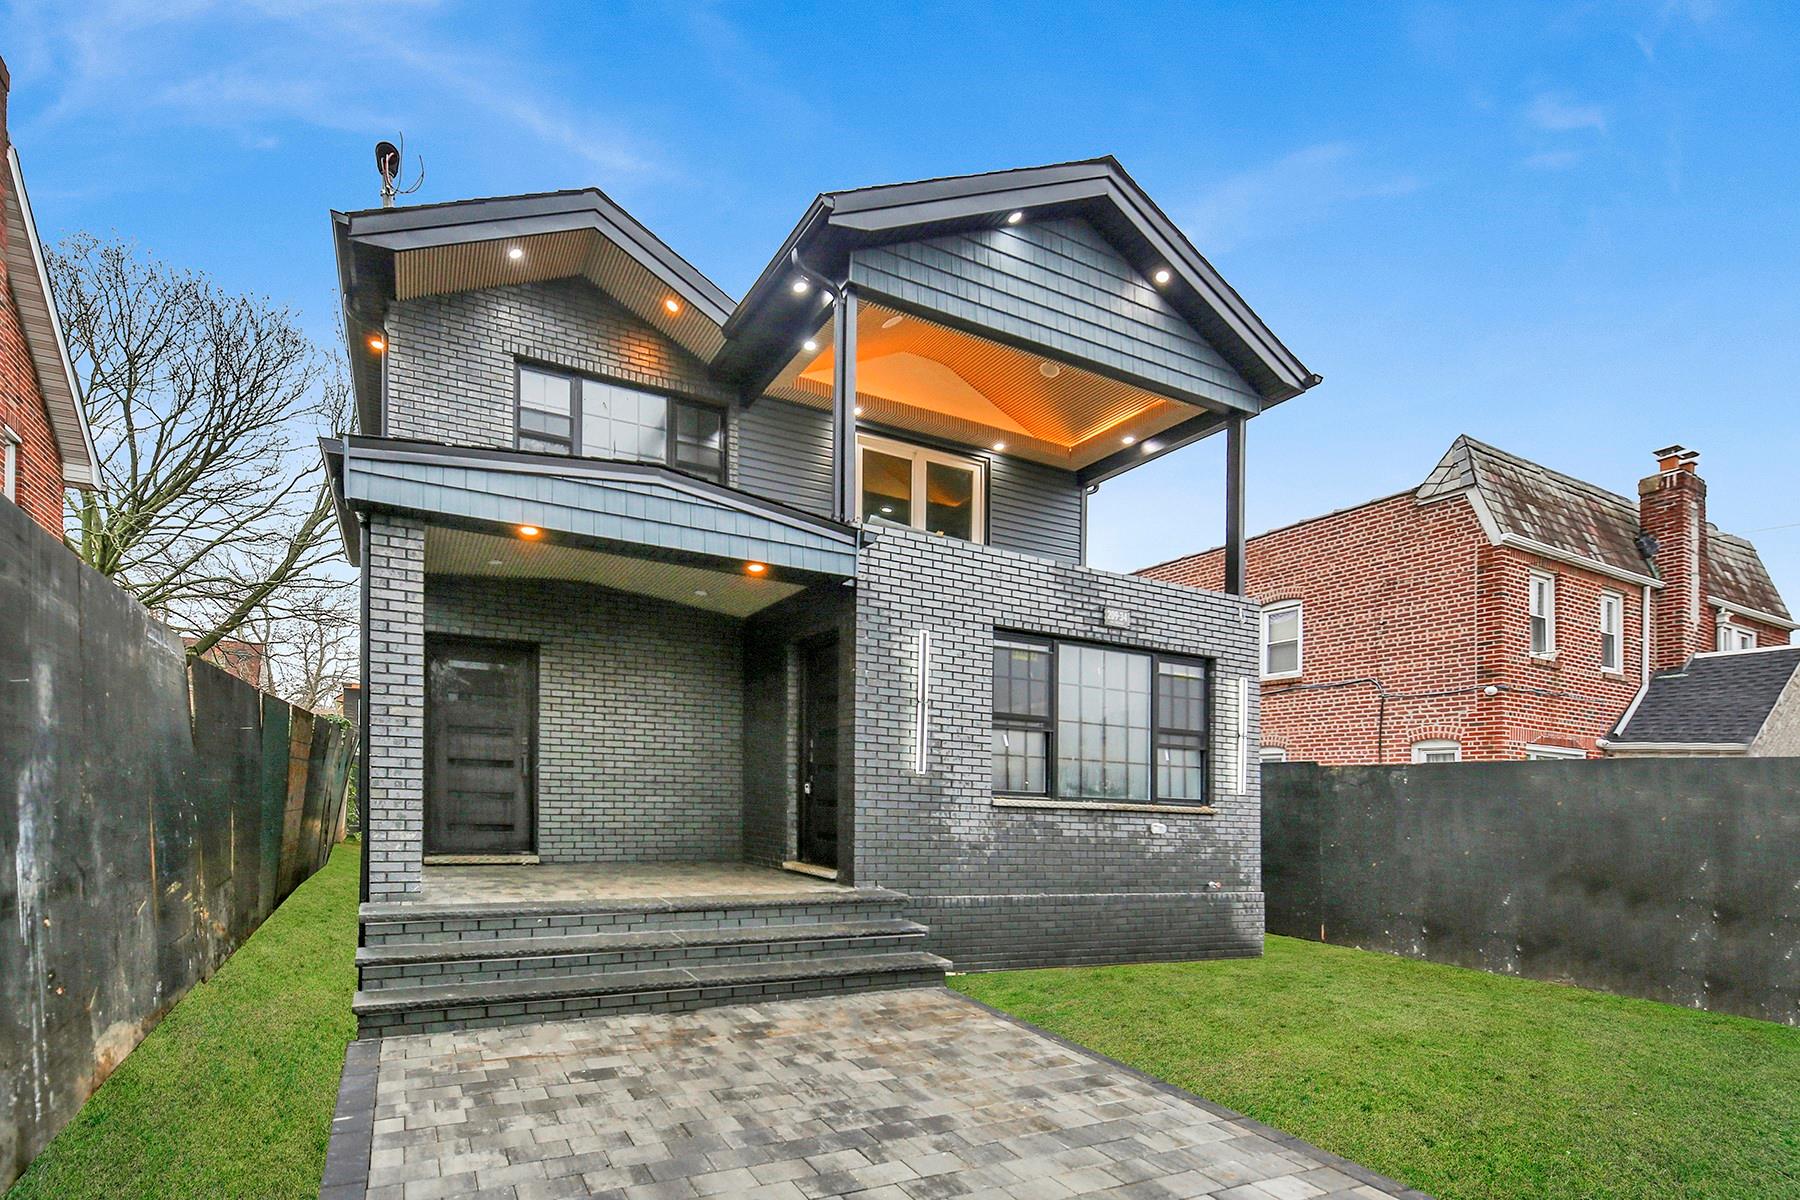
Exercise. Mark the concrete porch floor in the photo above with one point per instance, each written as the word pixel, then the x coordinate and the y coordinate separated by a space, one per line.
pixel 554 882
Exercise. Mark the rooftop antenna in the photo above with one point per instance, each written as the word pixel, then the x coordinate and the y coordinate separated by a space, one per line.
pixel 388 159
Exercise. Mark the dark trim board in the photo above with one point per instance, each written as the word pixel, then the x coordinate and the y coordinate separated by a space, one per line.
pixel 436 643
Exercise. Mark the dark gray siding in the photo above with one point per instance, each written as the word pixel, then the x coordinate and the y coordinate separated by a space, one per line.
pixel 1060 285
pixel 783 451
pixel 1034 509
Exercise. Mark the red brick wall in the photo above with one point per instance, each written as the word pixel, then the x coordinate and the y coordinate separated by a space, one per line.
pixel 40 482
pixel 1672 505
pixel 1414 596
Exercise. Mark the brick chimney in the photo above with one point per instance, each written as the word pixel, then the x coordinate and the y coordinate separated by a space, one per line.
pixel 1672 510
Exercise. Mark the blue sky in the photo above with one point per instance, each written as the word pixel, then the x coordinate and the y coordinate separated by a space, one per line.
pixel 1567 229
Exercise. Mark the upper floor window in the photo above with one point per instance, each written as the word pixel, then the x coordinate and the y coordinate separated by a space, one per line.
pixel 928 489
pixel 1086 722
pixel 1612 631
pixel 1543 614
pixel 1437 750
pixel 9 463
pixel 1735 637
pixel 561 413
pixel 1281 640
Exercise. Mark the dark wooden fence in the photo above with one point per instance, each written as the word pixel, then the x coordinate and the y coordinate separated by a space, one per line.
pixel 151 815
pixel 1672 879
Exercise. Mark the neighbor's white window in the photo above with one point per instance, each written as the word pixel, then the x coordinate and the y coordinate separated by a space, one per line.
pixel 927 489
pixel 1537 753
pixel 1612 631
pixel 1437 751
pixel 1270 754
pixel 9 462
pixel 1282 638
pixel 1733 637
pixel 1543 614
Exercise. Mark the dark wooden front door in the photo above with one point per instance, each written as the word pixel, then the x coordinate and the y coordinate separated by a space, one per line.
pixel 480 714
pixel 819 753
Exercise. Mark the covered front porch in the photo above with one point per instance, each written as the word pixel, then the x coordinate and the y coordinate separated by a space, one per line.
pixel 612 683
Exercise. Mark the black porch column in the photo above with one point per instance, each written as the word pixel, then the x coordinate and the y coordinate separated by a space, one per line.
pixel 1234 505
pixel 843 408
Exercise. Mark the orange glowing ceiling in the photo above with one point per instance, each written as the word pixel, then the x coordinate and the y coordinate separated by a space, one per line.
pixel 918 375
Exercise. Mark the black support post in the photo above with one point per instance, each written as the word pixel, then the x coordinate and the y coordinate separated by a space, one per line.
pixel 843 408
pixel 1234 505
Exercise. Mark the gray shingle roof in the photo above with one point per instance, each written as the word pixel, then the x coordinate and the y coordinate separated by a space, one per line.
pixel 1714 698
pixel 1532 501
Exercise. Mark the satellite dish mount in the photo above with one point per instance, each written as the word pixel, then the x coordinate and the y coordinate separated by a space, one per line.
pixel 388 160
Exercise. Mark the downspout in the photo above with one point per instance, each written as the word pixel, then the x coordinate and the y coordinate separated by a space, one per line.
pixel 1644 641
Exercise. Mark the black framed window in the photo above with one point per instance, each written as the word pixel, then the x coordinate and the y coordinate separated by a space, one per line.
pixel 1082 721
pixel 564 413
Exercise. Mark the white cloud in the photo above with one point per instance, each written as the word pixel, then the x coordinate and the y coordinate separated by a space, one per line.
pixel 1559 114
pixel 1298 189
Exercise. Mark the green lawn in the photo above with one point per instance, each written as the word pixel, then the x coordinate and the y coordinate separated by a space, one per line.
pixel 1457 1082
pixel 232 1094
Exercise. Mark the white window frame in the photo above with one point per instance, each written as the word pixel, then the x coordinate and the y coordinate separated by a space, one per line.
pixel 1731 637
pixel 1542 583
pixel 920 457
pixel 1612 623
pixel 1535 752
pixel 1422 750
pixel 9 463
pixel 1299 609
pixel 1272 754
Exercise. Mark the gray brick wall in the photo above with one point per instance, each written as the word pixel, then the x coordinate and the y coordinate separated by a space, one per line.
pixel 451 359
pixel 394 820
pixel 640 716
pixel 1021 887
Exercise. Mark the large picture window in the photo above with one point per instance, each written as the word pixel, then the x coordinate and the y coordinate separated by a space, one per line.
pixel 560 413
pixel 1076 721
pixel 927 489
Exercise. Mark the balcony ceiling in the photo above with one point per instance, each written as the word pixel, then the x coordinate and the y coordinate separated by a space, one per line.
pixel 928 378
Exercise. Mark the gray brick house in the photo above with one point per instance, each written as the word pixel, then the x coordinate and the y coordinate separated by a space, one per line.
pixel 692 614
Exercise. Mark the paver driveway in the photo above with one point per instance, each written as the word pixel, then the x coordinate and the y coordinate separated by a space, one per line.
pixel 909 1095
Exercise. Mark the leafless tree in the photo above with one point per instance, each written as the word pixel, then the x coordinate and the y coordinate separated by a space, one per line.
pixel 308 659
pixel 211 506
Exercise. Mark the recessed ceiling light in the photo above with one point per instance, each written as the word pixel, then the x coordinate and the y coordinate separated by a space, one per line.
pixel 1049 370
pixel 673 305
pixel 700 592
pixel 516 253
pixel 1162 275
pixel 887 510
pixel 377 343
pixel 1149 447
pixel 892 321
pixel 1128 439
pixel 859 410
pixel 824 297
pixel 1013 218
pixel 801 287
pixel 530 531
pixel 999 445
pixel 756 568
pixel 809 345
pixel 494 562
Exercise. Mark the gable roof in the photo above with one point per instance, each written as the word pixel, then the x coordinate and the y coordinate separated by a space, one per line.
pixel 1530 503
pixel 30 280
pixel 1716 699
pixel 762 330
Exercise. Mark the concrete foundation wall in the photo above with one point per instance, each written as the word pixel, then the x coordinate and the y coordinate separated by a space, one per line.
pixel 1010 887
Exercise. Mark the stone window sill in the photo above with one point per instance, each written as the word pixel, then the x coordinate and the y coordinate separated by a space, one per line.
pixel 1204 810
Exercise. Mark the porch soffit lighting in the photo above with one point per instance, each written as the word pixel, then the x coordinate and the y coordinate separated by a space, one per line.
pixel 892 321
pixel 999 445
pixel 516 253
pixel 809 345
pixel 1014 217
pixel 859 410
pixel 530 531
pixel 756 568
pixel 800 287
pixel 673 306
pixel 1162 275
pixel 1128 439
pixel 377 343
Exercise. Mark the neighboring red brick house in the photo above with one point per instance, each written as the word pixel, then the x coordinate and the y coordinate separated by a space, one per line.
pixel 44 441
pixel 1495 612
pixel 247 660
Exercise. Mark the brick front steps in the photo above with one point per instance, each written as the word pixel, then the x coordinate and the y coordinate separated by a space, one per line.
pixel 428 967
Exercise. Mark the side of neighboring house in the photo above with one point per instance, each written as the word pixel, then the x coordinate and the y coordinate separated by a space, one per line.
pixel 797 581
pixel 44 440
pixel 1495 612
